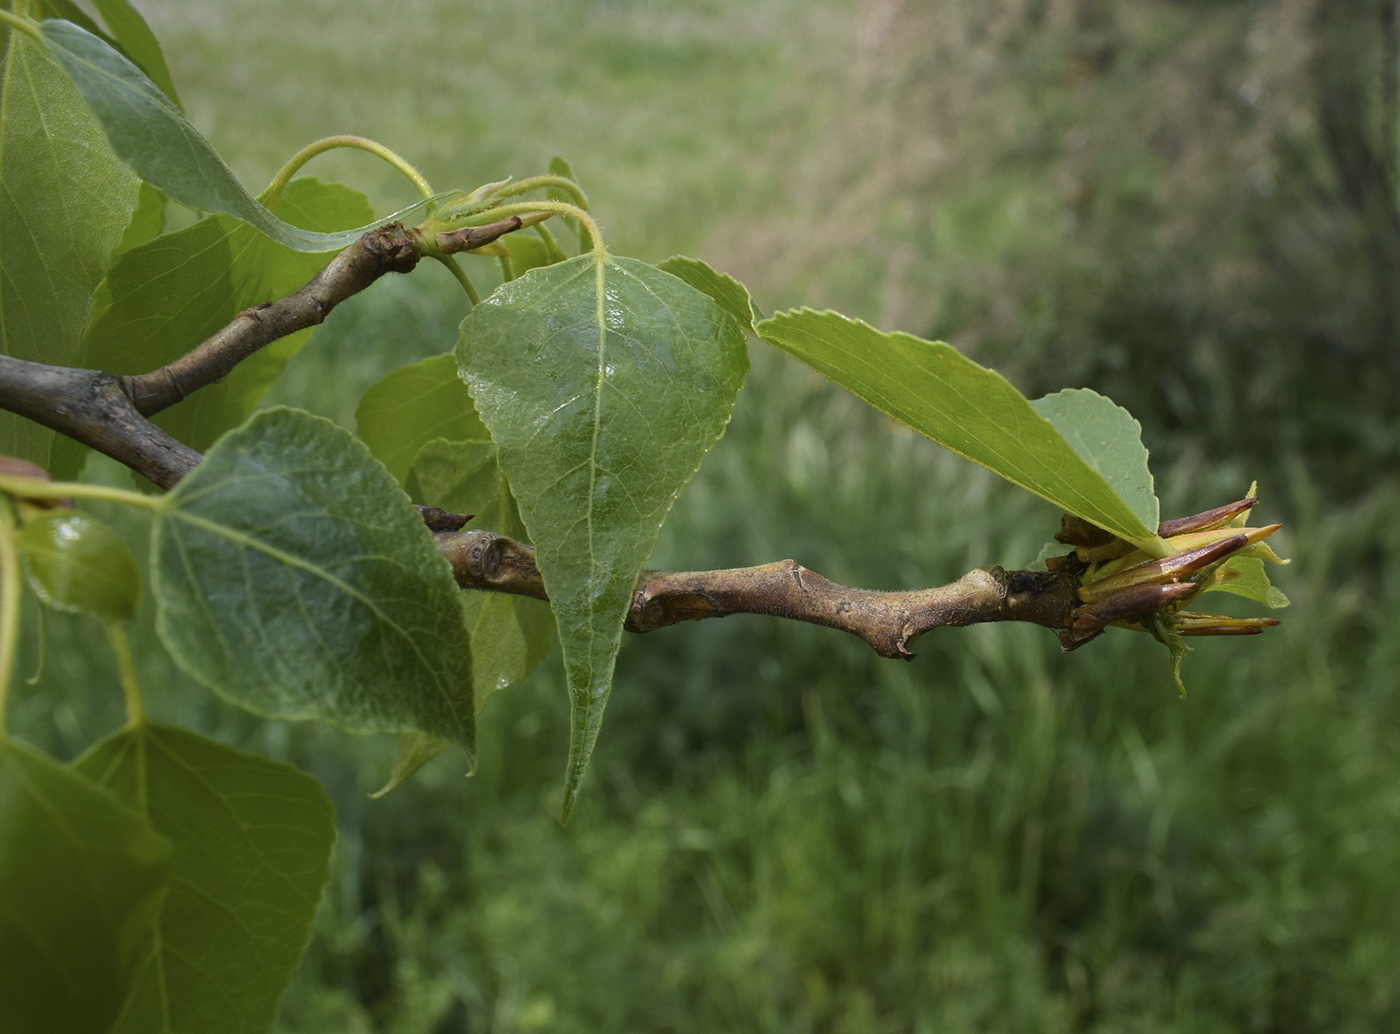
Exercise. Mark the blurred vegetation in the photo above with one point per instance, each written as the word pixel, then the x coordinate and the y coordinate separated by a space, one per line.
pixel 1189 206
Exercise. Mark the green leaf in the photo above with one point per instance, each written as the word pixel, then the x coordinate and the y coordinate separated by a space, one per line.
pixel 136 38
pixel 65 201
pixel 293 578
pixel 510 635
pixel 147 220
pixel 76 564
pixel 416 749
pixel 1245 576
pixel 1109 440
pixel 81 882
pixel 148 132
pixel 731 296
pixel 604 381
pixel 413 406
pixel 527 253
pixel 966 408
pixel 250 851
pixel 164 297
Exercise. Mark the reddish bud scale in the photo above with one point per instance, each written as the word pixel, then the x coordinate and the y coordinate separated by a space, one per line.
pixel 1171 569
pixel 1206 520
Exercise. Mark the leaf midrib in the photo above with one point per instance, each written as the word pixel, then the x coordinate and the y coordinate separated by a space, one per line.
pixel 291 560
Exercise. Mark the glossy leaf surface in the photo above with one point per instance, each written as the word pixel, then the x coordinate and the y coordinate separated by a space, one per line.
pixel 250 851
pixel 293 577
pixel 976 413
pixel 604 381
pixel 65 201
pixel 413 406
pixel 77 564
pixel 150 134
pixel 81 881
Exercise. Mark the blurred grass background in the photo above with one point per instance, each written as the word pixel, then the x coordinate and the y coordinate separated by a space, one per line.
pixel 1189 206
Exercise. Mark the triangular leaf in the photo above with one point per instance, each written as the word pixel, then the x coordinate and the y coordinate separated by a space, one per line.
pixel 967 408
pixel 251 841
pixel 604 381
pixel 64 207
pixel 81 881
pixel 149 133
pixel 293 578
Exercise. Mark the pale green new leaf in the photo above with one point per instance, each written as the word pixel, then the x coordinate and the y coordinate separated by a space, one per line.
pixel 1245 576
pixel 413 406
pixel 250 851
pixel 148 132
pixel 1109 440
pixel 976 413
pixel 81 882
pixel 65 201
pixel 293 578
pixel 604 381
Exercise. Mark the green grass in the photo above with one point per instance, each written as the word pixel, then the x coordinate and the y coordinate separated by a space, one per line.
pixel 782 832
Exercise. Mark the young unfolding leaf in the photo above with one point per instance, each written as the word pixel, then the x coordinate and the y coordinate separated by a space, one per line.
pixel 412 406
pixel 76 564
pixel 604 381
pixel 1245 576
pixel 64 208
pixel 81 880
pixel 150 134
pixel 976 413
pixel 293 577
pixel 250 851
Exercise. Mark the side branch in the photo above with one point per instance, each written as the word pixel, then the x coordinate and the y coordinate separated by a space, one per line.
pixel 887 621
pixel 389 249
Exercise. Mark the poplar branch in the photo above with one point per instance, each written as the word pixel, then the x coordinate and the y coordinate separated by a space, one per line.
pixel 389 249
pixel 90 407
pixel 888 621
